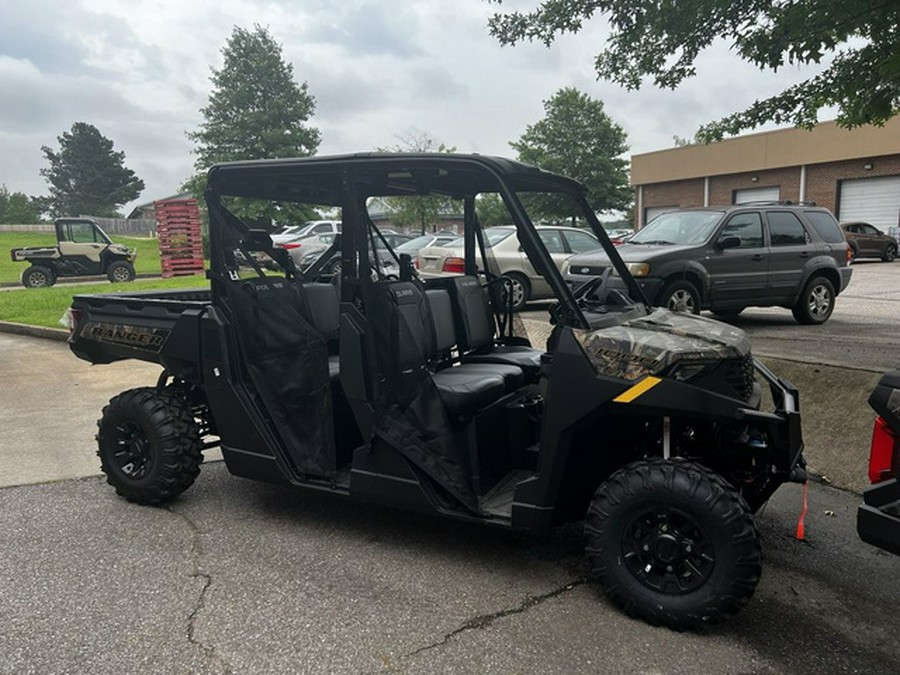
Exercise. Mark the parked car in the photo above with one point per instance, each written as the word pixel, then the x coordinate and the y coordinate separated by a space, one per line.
pixel 728 258
pixel 527 284
pixel 878 518
pixel 867 241
pixel 304 249
pixel 309 228
pixel 394 239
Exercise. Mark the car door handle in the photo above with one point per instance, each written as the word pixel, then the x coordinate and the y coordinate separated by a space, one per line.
pixel 758 256
pixel 804 254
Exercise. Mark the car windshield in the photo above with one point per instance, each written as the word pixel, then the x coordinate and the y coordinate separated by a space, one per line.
pixel 678 227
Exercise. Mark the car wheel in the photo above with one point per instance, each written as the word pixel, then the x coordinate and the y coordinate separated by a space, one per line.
pixel 120 271
pixel 680 296
pixel 38 276
pixel 673 544
pixel 890 253
pixel 521 290
pixel 816 303
pixel 149 445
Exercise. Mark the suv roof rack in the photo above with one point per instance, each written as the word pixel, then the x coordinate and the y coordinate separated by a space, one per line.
pixel 771 202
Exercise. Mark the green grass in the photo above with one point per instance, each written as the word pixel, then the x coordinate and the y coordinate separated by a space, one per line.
pixel 147 261
pixel 46 306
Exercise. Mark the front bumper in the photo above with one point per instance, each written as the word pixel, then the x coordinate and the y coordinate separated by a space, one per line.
pixel 878 517
pixel 650 286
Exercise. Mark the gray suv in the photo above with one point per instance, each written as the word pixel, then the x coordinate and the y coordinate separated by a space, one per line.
pixel 728 258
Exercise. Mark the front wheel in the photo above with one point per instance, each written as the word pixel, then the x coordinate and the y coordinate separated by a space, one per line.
pixel 816 303
pixel 673 544
pixel 121 271
pixel 149 445
pixel 890 252
pixel 681 296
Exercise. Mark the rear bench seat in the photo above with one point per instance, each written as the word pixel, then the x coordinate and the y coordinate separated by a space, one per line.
pixel 475 325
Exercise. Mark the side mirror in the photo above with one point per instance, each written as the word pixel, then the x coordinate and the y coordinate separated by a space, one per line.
pixel 731 241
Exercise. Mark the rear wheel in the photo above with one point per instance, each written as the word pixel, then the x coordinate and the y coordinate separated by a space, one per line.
pixel 520 288
pixel 149 445
pixel 38 276
pixel 121 271
pixel 673 544
pixel 890 252
pixel 816 303
pixel 681 296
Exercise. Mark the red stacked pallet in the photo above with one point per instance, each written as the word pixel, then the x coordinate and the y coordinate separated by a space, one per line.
pixel 180 237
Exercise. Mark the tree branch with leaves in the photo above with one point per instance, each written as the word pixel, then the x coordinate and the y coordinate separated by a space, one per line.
pixel 661 40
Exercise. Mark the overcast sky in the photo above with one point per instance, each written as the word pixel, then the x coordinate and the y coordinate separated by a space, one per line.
pixel 139 71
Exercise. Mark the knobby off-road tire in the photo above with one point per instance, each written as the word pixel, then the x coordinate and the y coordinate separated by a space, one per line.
pixel 120 271
pixel 816 303
pixel 38 276
pixel 673 544
pixel 149 445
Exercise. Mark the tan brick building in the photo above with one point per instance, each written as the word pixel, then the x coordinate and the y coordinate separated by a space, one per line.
pixel 855 172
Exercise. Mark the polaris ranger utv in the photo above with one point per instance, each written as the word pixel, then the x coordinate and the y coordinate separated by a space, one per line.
pixel 427 396
pixel 82 249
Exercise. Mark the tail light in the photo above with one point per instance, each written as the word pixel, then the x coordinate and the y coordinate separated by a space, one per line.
pixel 416 262
pixel 290 246
pixel 73 319
pixel 849 254
pixel 883 453
pixel 454 266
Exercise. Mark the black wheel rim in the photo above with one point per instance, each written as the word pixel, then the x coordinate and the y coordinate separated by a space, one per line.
pixel 665 549
pixel 132 456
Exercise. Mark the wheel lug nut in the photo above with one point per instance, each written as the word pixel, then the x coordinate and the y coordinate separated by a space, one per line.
pixel 646 547
pixel 668 568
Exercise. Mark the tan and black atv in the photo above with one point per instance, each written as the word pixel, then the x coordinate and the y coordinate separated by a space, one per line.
pixel 82 249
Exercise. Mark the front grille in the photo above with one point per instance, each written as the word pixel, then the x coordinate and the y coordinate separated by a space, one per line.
pixel 588 270
pixel 739 374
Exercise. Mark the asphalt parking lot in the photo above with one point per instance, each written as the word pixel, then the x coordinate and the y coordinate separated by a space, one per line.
pixel 238 576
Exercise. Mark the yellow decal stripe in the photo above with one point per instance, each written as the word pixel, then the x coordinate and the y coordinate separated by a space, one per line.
pixel 641 387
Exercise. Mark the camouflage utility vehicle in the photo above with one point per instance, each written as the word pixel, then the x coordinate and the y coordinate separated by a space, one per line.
pixel 428 395
pixel 82 249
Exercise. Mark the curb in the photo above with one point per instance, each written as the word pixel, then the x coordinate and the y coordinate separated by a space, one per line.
pixel 57 334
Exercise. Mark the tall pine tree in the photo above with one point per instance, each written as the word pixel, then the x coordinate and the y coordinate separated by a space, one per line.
pixel 255 111
pixel 87 176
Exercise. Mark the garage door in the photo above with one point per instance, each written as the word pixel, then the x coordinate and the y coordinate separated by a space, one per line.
pixel 872 200
pixel 761 194
pixel 652 211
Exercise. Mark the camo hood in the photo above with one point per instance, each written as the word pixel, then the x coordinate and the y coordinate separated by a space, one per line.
pixel 651 344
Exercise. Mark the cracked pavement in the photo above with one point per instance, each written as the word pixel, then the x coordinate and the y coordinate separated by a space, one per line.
pixel 243 577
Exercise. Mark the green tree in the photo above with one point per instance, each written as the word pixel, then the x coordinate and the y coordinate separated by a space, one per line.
pixel 578 139
pixel 20 208
pixel 255 111
pixel 661 40
pixel 87 176
pixel 421 212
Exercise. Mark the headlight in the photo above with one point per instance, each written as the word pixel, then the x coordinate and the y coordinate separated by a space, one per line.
pixel 638 269
pixel 565 268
